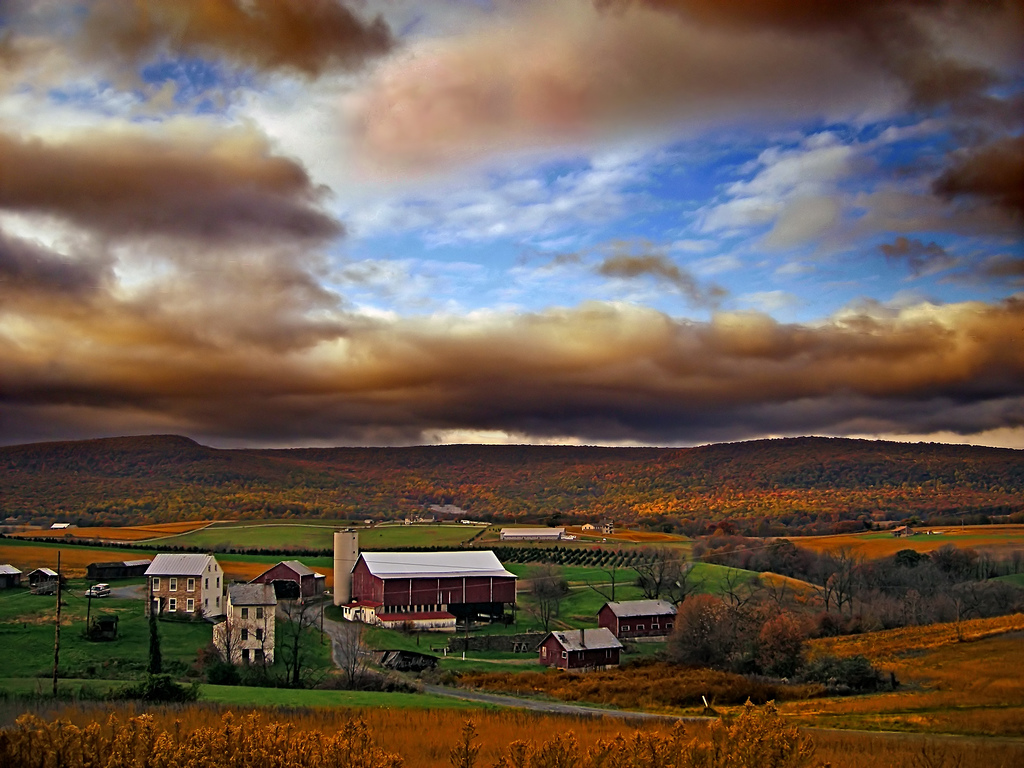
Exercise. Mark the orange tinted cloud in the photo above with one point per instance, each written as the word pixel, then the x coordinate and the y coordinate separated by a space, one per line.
pixel 190 183
pixel 306 36
pixel 598 372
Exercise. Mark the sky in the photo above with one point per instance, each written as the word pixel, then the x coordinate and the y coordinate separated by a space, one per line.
pixel 277 223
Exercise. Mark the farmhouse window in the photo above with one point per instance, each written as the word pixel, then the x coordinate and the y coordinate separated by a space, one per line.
pixel 172 584
pixel 190 585
pixel 156 583
pixel 245 613
pixel 245 633
pixel 218 602
pixel 206 583
pixel 245 655
pixel 218 582
pixel 259 634
pixel 172 604
pixel 259 655
pixel 191 604
pixel 259 612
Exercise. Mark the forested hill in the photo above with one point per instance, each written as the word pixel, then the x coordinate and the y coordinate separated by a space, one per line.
pixel 791 482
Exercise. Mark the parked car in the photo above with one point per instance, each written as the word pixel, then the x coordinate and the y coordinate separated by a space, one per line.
pixel 98 590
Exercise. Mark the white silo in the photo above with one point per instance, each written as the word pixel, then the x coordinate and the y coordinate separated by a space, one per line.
pixel 346 552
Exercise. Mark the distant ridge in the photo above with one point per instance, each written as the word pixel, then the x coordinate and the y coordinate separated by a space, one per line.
pixel 166 477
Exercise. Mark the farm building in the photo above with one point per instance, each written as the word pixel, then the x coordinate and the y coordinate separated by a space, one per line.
pixel 247 633
pixel 902 531
pixel 638 618
pixel 292 579
pixel 532 534
pixel 426 590
pixel 607 527
pixel 588 528
pixel 124 569
pixel 187 583
pixel 43 581
pixel 9 576
pixel 595 648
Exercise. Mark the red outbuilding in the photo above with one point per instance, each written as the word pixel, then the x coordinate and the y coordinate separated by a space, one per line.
pixel 292 579
pixel 638 618
pixel 580 649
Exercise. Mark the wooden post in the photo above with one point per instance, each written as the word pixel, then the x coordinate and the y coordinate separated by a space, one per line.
pixel 56 632
pixel 88 612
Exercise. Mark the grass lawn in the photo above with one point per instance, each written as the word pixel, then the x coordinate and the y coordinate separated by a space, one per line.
pixel 1013 578
pixel 288 697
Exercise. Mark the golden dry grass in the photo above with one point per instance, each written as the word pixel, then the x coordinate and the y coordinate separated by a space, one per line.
pixel 875 544
pixel 126 533
pixel 972 685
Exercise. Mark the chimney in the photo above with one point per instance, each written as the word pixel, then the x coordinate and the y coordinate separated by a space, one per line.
pixel 346 552
pixel 583 638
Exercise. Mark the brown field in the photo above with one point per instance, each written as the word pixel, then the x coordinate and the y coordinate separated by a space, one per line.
pixel 424 737
pixel 633 537
pixel 874 544
pixel 971 685
pixel 127 533
pixel 75 560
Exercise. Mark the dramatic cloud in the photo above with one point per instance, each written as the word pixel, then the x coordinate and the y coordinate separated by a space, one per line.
pixel 994 172
pixel 569 70
pixel 190 183
pixel 27 269
pixel 305 36
pixel 658 266
pixel 599 372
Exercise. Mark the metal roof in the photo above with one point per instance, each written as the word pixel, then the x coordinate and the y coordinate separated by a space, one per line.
pixel 631 608
pixel 597 638
pixel 45 571
pixel 299 568
pixel 526 532
pixel 9 569
pixel 252 594
pixel 178 565
pixel 137 562
pixel 405 565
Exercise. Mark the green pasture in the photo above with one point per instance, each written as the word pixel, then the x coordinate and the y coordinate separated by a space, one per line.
pixel 1017 579
pixel 285 536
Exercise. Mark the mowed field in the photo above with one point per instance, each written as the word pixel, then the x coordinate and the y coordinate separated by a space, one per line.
pixel 953 679
pixel 875 544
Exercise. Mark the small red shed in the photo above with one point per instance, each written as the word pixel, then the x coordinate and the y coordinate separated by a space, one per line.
pixel 638 618
pixel 308 583
pixel 582 649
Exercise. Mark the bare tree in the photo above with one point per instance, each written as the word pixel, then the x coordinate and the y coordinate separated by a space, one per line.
pixel 548 588
pixel 294 644
pixel 658 572
pixel 350 651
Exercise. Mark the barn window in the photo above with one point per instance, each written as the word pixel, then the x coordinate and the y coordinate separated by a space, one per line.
pixel 625 627
pixel 544 652
pixel 172 584
pixel 172 604
pixel 639 627
pixel 565 654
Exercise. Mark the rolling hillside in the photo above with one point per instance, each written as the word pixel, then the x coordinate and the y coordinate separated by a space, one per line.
pixel 789 482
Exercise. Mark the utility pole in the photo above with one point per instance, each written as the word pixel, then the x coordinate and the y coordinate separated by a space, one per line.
pixel 56 632
pixel 88 613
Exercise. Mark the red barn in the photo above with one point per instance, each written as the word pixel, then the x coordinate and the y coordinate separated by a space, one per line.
pixel 307 582
pixel 469 585
pixel 638 618
pixel 580 649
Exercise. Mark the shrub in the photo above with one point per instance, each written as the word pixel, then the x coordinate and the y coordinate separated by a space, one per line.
pixel 853 674
pixel 160 688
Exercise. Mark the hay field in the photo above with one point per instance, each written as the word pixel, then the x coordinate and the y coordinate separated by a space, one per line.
pixel 997 539
pixel 126 533
pixel 953 680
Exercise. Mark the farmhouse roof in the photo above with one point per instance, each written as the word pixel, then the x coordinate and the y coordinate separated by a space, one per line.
pixel 252 594
pixel 178 565
pixel 405 565
pixel 8 569
pixel 630 608
pixel 595 639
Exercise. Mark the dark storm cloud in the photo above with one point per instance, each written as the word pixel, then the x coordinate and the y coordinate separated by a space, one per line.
pixel 304 36
pixel 189 183
pixel 599 372
pixel 921 258
pixel 26 268
pixel 660 267
pixel 993 173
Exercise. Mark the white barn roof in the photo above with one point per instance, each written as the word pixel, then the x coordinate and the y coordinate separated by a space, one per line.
pixel 406 565
pixel 9 569
pixel 597 638
pixel 532 533
pixel 632 608
pixel 178 565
